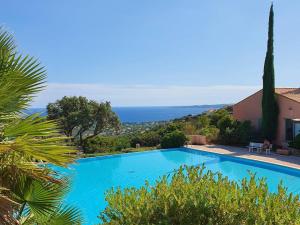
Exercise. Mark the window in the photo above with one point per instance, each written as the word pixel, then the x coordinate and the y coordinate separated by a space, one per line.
pixel 288 130
pixel 259 123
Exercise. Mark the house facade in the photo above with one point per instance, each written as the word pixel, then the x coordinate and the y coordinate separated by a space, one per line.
pixel 289 112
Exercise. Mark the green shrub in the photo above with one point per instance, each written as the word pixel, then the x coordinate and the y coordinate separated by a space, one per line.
pixel 173 140
pixel 189 128
pixel 147 139
pixel 217 115
pixel 244 132
pixel 238 133
pixel 211 133
pixel 202 121
pixel 195 197
pixel 226 122
pixel 121 143
pixel 219 126
pixel 105 144
pixel 170 128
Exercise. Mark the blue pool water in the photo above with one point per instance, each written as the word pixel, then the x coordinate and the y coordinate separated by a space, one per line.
pixel 92 177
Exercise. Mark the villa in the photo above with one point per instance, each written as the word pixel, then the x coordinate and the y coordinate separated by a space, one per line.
pixel 289 112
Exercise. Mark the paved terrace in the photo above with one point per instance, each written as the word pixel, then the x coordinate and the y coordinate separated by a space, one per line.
pixel 289 161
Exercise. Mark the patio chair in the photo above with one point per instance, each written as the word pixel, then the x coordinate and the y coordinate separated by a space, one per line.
pixel 259 147
pixel 253 145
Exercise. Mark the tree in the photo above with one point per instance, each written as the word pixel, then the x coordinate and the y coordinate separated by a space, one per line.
pixel 26 140
pixel 82 118
pixel 269 103
pixel 70 111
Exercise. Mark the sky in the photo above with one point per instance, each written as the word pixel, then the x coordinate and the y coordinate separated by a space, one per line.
pixel 154 52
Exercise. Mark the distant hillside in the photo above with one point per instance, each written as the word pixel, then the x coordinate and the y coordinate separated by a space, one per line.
pixel 194 117
pixel 150 113
pixel 42 111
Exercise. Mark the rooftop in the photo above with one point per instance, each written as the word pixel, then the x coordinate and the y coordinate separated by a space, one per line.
pixel 291 93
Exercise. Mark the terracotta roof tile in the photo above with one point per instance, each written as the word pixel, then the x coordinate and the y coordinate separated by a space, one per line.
pixel 291 93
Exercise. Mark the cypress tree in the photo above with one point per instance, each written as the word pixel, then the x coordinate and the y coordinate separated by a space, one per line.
pixel 269 103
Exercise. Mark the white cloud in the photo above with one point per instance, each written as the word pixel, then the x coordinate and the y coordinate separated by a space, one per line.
pixel 146 95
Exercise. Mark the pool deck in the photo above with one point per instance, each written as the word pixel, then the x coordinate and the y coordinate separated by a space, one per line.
pixel 289 161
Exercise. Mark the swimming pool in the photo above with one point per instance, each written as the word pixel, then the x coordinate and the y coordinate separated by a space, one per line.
pixel 93 176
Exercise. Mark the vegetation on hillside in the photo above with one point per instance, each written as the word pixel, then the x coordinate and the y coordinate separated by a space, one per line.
pixel 220 127
pixel 193 196
pixel 76 116
pixel 106 144
pixel 29 192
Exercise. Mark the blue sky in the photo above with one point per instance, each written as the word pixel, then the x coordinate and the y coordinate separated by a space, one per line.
pixel 154 52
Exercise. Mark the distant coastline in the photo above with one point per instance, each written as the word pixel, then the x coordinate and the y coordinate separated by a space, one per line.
pixel 142 114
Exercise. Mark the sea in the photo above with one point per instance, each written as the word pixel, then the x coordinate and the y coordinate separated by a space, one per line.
pixel 149 113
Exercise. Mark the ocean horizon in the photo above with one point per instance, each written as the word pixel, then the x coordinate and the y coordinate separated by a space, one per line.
pixel 140 114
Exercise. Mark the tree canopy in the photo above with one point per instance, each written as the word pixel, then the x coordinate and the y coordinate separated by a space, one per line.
pixel 82 118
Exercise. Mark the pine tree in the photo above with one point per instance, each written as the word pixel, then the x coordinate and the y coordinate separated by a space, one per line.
pixel 269 103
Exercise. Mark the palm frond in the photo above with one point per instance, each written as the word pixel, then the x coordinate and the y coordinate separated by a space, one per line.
pixel 43 202
pixel 37 138
pixel 20 77
pixel 6 40
pixel 41 198
pixel 66 215
pixel 31 126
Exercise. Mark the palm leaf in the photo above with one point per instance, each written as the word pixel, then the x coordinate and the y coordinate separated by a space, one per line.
pixel 37 138
pixel 31 126
pixel 20 77
pixel 41 198
pixel 64 215
pixel 6 41
pixel 43 202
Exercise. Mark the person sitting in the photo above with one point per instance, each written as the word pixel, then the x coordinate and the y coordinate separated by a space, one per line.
pixel 266 144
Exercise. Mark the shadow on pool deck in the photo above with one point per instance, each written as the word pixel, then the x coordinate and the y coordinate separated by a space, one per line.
pixel 289 161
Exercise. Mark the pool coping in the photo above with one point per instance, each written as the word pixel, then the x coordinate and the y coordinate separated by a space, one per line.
pixel 292 162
